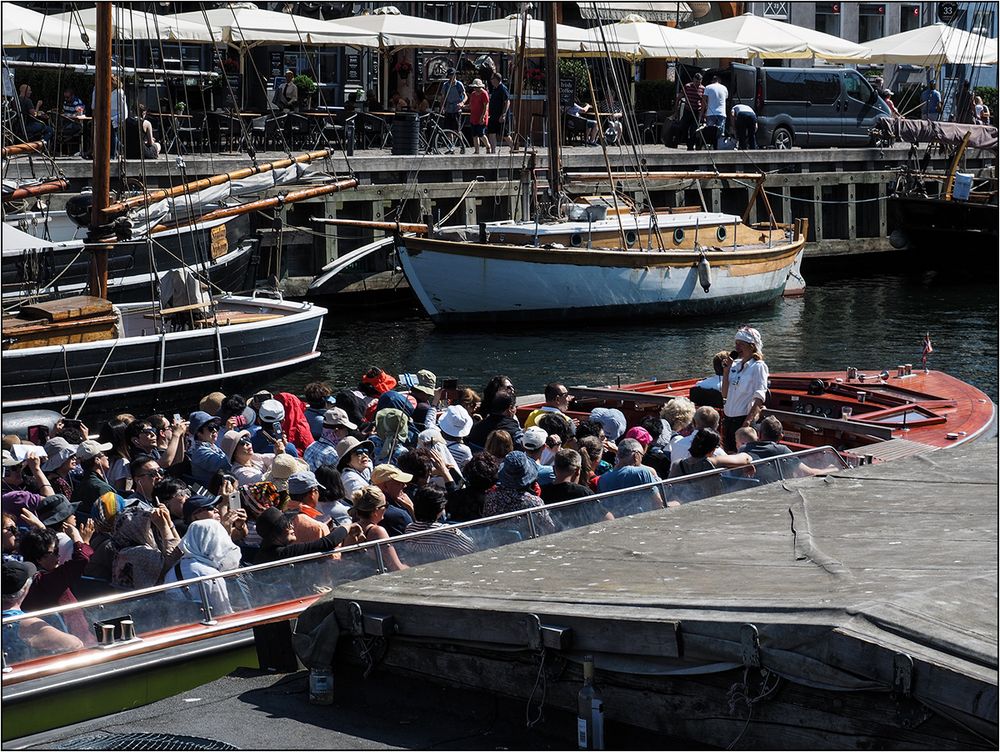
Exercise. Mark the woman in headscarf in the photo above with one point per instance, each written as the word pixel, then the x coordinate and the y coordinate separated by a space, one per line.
pixel 516 490
pixel 208 549
pixel 744 384
pixel 143 556
pixel 392 430
pixel 295 425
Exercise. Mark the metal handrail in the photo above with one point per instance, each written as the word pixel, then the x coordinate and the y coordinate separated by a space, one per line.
pixel 656 485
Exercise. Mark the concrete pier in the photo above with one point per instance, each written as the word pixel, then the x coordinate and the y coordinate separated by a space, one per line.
pixel 855 611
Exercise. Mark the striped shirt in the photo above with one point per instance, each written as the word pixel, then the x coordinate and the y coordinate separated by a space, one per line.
pixel 447 543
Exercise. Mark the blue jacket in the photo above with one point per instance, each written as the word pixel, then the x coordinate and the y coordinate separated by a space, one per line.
pixel 206 459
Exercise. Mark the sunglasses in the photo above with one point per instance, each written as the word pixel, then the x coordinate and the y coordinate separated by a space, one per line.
pixel 12 530
pixel 363 451
pixel 153 473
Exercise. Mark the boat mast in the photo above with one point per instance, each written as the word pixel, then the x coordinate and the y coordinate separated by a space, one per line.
pixel 552 103
pixel 102 149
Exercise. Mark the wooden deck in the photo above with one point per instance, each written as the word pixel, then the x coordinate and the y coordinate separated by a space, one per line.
pixel 856 611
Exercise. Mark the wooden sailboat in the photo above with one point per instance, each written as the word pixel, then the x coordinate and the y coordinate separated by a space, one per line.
pixel 600 259
pixel 75 352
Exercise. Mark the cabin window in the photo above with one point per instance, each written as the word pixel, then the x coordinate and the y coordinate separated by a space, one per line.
pixel 720 233
pixel 576 240
pixel 630 237
pixel 678 236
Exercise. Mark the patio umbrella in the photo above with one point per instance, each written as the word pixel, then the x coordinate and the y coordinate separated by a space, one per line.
pixel 634 37
pixel 247 27
pixel 27 28
pixel 780 40
pixel 135 24
pixel 570 38
pixel 394 29
pixel 938 44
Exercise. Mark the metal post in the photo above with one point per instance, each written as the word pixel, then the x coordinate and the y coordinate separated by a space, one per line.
pixel 381 561
pixel 531 525
pixel 206 606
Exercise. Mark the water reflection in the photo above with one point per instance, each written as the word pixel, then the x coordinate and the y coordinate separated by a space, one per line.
pixel 872 322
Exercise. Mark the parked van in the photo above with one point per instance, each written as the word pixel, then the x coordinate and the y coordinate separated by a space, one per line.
pixel 806 106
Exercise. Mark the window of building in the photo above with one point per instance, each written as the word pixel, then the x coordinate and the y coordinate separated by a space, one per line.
pixel 778 11
pixel 871 22
pixel 983 22
pixel 828 18
pixel 909 17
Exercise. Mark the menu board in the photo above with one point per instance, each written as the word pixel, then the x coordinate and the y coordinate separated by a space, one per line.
pixel 277 64
pixel 353 66
pixel 567 91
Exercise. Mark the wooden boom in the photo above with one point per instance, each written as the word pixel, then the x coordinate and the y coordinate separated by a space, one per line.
pixel 32 146
pixel 28 191
pixel 197 185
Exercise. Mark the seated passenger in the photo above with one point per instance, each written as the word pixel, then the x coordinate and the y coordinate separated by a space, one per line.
pixel 447 542
pixel 704 417
pixel 32 636
pixel 207 549
pixel 369 506
pixel 628 473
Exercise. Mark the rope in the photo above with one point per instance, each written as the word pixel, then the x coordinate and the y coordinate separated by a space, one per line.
pixel 97 377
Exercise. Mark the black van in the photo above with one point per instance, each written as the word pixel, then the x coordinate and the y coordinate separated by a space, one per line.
pixel 806 106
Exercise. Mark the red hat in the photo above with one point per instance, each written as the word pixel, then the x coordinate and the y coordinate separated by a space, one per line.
pixel 639 434
pixel 379 379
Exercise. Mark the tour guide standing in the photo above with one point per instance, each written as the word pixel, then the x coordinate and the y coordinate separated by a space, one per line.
pixel 453 93
pixel 744 383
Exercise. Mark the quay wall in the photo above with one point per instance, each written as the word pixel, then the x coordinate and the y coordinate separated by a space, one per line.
pixel 841 191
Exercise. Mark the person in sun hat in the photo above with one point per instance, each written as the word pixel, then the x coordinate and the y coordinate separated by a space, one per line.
pixel 392 434
pixel 455 425
pixel 392 481
pixel 516 490
pixel 282 469
pixel 336 427
pixel 270 431
pixel 479 114
pixel 212 403
pixel 533 443
pixel 303 496
pixel 744 384
pixel 425 393
pixel 355 464
pixel 32 636
pixel 205 454
pixel 374 383
pixel 248 465
pixel 59 464
pixel 95 462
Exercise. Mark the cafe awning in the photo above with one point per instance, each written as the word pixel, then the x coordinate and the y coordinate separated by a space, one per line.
pixel 610 10
pixel 780 40
pixel 634 37
pixel 394 29
pixel 247 26
pixel 937 44
pixel 570 38
pixel 23 27
pixel 128 23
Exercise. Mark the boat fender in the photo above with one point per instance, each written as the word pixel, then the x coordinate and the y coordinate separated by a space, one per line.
pixel 704 273
pixel 898 240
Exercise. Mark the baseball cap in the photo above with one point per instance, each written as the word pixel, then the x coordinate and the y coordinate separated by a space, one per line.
pixel 534 438
pixel 337 416
pixel 15 574
pixel 383 473
pixel 302 481
pixel 271 411
pixel 195 503
pixel 89 449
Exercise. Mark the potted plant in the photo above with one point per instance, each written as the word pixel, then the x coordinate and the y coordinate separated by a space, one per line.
pixel 306 88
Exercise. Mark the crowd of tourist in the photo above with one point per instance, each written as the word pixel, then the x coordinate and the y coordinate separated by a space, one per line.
pixel 239 481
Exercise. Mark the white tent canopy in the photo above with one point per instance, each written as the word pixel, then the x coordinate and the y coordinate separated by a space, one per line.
pixel 635 37
pixel 27 28
pixel 249 26
pixel 938 44
pixel 394 29
pixel 570 39
pixel 780 40
pixel 134 24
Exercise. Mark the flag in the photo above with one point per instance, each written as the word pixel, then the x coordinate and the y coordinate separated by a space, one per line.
pixel 928 349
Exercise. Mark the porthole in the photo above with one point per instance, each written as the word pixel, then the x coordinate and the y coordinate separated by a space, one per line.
pixel 678 236
pixel 576 240
pixel 630 237
pixel 720 233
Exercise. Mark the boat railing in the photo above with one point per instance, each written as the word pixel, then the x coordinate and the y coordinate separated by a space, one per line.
pixel 239 599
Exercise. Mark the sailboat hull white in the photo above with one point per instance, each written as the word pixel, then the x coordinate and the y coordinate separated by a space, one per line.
pixel 458 282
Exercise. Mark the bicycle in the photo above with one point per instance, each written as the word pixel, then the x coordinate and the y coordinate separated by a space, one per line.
pixel 437 140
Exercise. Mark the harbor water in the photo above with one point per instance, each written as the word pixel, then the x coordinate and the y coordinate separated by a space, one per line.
pixel 867 321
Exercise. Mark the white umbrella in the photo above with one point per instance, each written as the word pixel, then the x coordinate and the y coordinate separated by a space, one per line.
pixel 569 38
pixel 135 24
pixel 394 29
pixel 634 37
pixel 27 28
pixel 938 44
pixel 780 40
pixel 247 26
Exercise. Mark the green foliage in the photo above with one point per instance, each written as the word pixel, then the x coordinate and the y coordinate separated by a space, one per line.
pixel 304 84
pixel 577 70
pixel 654 95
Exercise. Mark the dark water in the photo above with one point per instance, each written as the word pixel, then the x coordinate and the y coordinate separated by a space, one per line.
pixel 873 323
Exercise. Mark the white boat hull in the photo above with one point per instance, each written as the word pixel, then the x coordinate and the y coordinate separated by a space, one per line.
pixel 458 282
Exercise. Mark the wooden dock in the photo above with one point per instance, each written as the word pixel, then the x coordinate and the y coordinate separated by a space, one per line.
pixel 855 611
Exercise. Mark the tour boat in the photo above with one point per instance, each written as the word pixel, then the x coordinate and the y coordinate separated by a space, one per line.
pixel 872 416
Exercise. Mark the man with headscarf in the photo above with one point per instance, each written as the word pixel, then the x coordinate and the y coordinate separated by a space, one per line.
pixel 744 384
